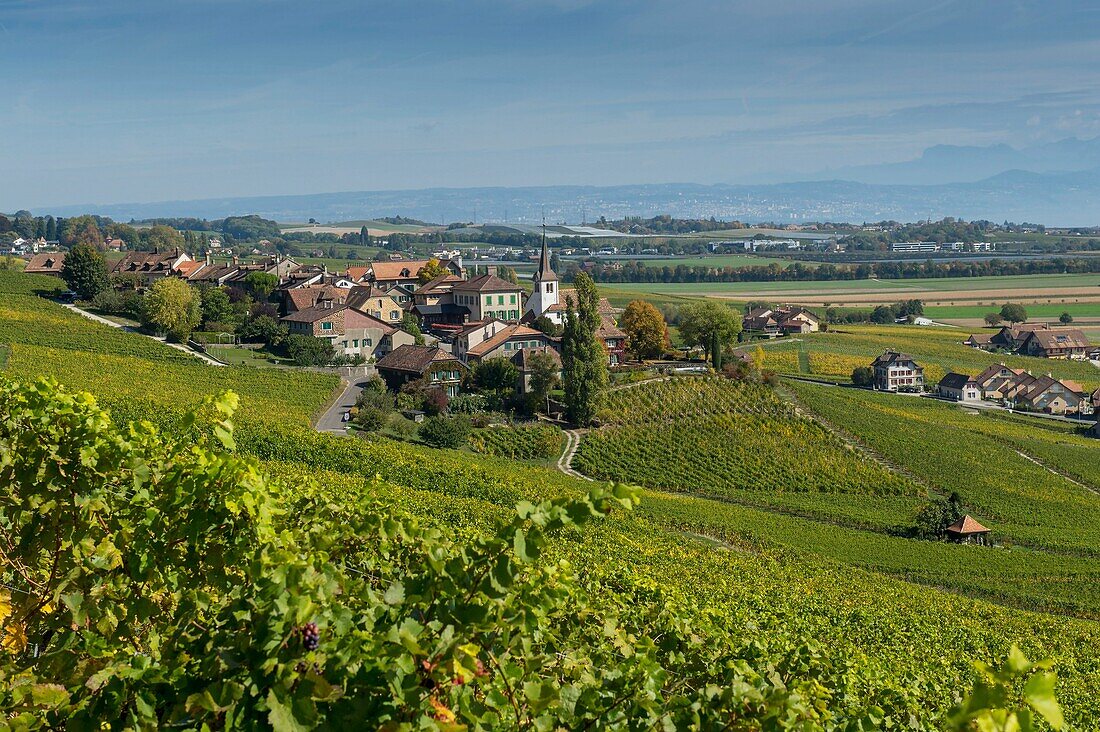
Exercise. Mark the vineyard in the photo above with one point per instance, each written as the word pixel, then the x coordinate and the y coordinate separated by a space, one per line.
pixel 789 582
pixel 535 442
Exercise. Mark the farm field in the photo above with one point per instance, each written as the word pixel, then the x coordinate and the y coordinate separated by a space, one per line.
pixel 376 228
pixel 835 353
pixel 716 260
pixel 1081 312
pixel 760 581
pixel 978 291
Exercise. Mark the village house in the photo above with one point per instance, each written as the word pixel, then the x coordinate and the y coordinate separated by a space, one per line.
pixel 434 302
pixel 150 266
pixel 428 364
pixel 994 380
pixel 613 340
pixel 959 387
pixel 406 273
pixel 1049 395
pixel 895 371
pixel 772 322
pixel 983 341
pixel 1061 343
pixel 46 264
pixel 306 297
pixel 351 333
pixel 488 296
pixel 504 343
pixel 376 303
pixel 1011 337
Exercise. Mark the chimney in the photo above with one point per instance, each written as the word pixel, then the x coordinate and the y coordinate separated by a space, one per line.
pixel 490 269
pixel 236 261
pixel 209 259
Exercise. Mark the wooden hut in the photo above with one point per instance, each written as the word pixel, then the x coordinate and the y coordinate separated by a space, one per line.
pixel 968 531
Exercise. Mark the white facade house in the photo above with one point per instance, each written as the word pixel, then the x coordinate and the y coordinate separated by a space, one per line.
pixel 544 299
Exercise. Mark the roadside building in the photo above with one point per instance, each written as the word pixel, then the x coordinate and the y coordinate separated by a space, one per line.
pixel 959 387
pixel 896 371
pixel 1060 343
pixel 994 379
pixel 431 366
pixel 46 264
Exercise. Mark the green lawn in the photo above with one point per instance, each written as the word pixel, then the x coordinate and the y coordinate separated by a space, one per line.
pixel 1037 311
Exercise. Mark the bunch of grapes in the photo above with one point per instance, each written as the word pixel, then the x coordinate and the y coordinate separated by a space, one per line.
pixel 310 637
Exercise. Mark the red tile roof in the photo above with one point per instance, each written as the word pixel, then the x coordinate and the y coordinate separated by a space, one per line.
pixel 967 525
pixel 504 334
pixel 48 263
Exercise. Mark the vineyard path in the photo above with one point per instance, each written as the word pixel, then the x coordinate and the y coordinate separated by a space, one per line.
pixel 179 347
pixel 565 462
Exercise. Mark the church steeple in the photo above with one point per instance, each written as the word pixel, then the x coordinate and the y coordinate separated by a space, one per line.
pixel 545 273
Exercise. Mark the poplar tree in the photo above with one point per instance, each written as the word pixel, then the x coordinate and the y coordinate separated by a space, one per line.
pixel 584 360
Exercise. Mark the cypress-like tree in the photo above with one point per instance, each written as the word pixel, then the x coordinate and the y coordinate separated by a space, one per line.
pixel 584 361
pixel 85 271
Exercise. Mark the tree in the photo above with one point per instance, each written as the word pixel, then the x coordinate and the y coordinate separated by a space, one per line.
pixel 306 350
pixel 508 275
pixel 263 329
pixel 89 234
pixel 411 325
pixel 646 332
pixel 544 378
pixel 260 284
pixel 78 226
pixel 933 518
pixel 882 314
pixel 449 432
pixel 161 238
pixel 1013 313
pixel 374 405
pixel 863 376
pixel 85 271
pixel 700 322
pixel 364 236
pixel 993 319
pixel 584 361
pixel 758 358
pixel 1065 318
pixel 216 307
pixel 431 270
pixel 543 324
pixel 172 306
pixel 496 374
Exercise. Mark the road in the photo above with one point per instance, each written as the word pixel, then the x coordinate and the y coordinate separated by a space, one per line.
pixel 333 418
pixel 110 323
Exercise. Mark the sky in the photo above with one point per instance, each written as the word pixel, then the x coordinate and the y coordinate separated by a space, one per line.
pixel 107 101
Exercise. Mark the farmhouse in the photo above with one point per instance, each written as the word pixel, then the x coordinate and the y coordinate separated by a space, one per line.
pixel 150 266
pixel 897 372
pixel 613 340
pixel 429 364
pixel 1056 343
pixel 959 387
pixel 996 380
pixel 47 264
pixel 772 322
pixel 1047 394
pixel 1011 337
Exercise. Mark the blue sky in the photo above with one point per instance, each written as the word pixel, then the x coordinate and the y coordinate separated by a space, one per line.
pixel 142 100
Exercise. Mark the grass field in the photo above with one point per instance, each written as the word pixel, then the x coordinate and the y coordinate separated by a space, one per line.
pixel 717 260
pixel 1035 311
pixel 376 228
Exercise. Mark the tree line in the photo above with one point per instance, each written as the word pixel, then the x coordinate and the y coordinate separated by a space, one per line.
pixel 798 272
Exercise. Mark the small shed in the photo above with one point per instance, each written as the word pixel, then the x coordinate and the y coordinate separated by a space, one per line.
pixel 968 531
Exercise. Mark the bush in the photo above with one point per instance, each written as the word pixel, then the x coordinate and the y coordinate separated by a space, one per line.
pixel 468 404
pixel 863 376
pixel 435 402
pixel 309 351
pixel 440 431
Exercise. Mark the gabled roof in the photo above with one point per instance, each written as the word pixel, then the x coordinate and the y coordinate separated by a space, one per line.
pixel 314 314
pixel 1058 338
pixel 440 284
pixel 186 269
pixel 475 325
pixel 354 318
pixel 304 297
pixel 356 274
pixel 486 283
pixel 955 380
pixel 980 338
pixel 995 371
pixel 891 357
pixel 146 262
pixel 414 359
pixel 403 270
pixel 967 525
pixel 359 294
pixel 42 263
pixel 504 334
pixel 608 330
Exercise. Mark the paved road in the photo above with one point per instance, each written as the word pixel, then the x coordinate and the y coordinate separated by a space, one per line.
pixel 333 418
pixel 178 346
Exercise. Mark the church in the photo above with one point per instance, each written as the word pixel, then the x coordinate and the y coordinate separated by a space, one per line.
pixel 544 299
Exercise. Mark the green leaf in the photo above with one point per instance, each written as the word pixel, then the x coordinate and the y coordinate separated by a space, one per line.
pixel 395 594
pixel 49 695
pixel 1039 694
pixel 281 716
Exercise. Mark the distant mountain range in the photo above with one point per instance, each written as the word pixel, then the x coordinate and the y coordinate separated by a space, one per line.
pixel 959 164
pixel 1054 184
